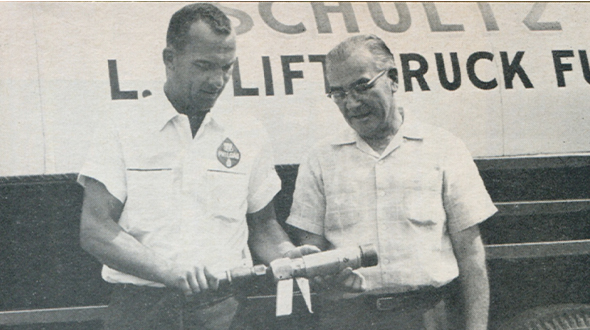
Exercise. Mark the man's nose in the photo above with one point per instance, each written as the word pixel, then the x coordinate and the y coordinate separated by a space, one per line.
pixel 218 78
pixel 351 101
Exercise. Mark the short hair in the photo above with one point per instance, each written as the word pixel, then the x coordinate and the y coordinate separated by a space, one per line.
pixel 183 19
pixel 371 42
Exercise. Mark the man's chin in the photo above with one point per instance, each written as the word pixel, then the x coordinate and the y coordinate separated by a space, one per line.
pixel 367 131
pixel 203 104
pixel 362 126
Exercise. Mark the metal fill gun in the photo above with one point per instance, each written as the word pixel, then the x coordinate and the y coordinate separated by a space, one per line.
pixel 284 270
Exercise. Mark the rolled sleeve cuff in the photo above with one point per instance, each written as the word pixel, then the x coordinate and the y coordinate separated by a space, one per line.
pixel 265 193
pixel 113 187
pixel 466 215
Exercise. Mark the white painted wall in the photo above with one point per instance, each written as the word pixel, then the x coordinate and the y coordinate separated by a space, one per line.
pixel 54 79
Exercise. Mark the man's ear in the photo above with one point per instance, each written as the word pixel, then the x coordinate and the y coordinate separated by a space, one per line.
pixel 168 57
pixel 392 74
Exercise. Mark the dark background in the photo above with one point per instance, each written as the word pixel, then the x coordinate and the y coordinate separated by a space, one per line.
pixel 43 266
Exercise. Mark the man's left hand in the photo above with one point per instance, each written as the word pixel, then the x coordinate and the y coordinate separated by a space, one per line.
pixel 347 280
pixel 302 250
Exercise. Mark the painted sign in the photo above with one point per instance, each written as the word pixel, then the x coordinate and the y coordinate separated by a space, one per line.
pixel 509 79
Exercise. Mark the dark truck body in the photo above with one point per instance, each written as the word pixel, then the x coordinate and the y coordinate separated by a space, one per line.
pixel 48 282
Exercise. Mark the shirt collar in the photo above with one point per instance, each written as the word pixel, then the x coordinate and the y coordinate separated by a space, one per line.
pixel 346 136
pixel 410 129
pixel 166 113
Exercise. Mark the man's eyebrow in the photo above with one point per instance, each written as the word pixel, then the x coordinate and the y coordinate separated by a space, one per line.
pixel 357 82
pixel 202 61
pixel 360 81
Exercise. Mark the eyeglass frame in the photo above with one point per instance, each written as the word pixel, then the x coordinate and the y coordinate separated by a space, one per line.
pixel 354 89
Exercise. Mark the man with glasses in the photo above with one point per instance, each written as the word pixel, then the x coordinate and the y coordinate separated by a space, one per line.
pixel 409 188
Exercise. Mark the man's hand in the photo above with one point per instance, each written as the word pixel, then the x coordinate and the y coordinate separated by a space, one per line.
pixel 190 280
pixel 302 250
pixel 347 280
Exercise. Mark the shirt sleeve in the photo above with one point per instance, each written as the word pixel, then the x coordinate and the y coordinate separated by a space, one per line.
pixel 466 199
pixel 309 202
pixel 105 162
pixel 264 181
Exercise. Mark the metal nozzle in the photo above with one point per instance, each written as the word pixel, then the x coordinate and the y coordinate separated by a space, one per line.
pixel 369 255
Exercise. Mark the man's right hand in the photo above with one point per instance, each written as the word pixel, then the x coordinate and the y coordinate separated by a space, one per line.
pixel 191 280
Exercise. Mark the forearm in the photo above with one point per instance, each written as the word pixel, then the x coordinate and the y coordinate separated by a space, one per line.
pixel 476 294
pixel 270 242
pixel 307 238
pixel 117 249
pixel 470 254
pixel 101 236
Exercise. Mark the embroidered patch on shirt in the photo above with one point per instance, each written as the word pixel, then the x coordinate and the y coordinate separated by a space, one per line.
pixel 228 154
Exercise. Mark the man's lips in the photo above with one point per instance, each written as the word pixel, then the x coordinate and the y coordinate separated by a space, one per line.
pixel 360 115
pixel 210 94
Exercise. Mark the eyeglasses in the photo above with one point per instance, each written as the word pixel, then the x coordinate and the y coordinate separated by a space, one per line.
pixel 357 89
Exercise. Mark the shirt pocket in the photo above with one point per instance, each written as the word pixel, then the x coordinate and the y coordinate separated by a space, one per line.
pixel 227 197
pixel 150 197
pixel 422 197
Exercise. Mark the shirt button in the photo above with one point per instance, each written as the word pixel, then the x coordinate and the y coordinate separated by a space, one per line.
pixel 380 162
pixel 381 193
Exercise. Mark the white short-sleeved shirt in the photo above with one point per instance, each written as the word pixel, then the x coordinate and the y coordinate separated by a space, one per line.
pixel 184 198
pixel 405 202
